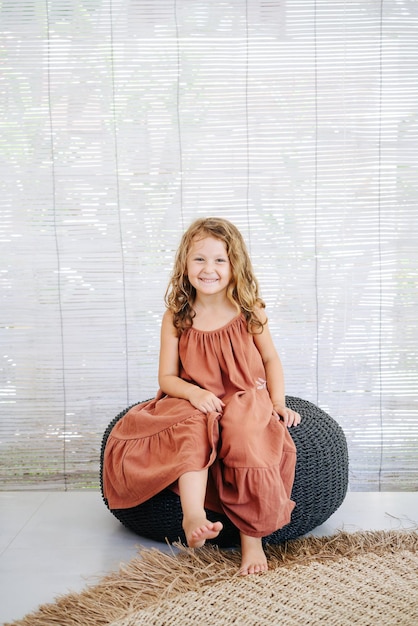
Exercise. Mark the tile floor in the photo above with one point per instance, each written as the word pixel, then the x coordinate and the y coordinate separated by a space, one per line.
pixel 57 542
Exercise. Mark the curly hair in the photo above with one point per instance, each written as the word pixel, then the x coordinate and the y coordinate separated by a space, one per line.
pixel 242 291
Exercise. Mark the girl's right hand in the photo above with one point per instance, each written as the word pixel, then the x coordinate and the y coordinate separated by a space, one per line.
pixel 205 400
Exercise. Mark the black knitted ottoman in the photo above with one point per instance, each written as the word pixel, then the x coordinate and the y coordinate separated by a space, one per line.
pixel 320 485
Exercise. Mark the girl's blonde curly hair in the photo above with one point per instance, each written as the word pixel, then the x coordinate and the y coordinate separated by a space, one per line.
pixel 243 289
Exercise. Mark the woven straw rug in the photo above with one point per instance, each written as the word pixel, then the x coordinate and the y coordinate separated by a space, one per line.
pixel 363 579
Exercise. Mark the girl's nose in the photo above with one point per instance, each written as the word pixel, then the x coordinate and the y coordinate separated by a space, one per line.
pixel 208 268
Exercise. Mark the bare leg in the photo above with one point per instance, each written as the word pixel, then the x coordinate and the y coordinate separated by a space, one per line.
pixel 253 560
pixel 196 526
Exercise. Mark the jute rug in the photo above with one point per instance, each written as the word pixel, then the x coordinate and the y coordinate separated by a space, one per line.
pixel 362 579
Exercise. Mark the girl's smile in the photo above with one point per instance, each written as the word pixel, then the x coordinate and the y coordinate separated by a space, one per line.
pixel 208 266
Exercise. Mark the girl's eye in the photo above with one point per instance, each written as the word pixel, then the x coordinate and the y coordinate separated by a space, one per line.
pixel 221 260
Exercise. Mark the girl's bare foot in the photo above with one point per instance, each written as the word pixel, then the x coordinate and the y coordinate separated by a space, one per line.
pixel 253 559
pixel 197 531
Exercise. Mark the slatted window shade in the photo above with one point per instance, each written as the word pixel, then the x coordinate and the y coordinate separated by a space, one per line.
pixel 121 122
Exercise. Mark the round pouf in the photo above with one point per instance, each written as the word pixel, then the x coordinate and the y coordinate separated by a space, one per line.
pixel 320 486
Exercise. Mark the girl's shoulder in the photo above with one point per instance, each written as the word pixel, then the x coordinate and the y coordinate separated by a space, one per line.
pixel 260 313
pixel 167 324
pixel 168 316
pixel 258 319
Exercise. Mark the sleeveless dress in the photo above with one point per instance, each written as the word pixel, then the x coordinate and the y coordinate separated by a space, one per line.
pixel 250 454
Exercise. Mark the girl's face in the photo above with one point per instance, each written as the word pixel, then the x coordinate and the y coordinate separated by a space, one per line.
pixel 208 266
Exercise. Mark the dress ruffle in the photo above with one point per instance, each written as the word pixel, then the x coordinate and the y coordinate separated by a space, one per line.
pixel 153 445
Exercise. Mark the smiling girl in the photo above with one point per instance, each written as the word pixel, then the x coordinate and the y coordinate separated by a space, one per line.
pixel 216 433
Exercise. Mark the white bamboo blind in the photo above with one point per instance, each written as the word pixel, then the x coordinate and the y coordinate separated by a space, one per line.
pixel 121 121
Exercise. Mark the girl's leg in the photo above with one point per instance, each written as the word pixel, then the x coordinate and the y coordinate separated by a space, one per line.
pixel 197 528
pixel 253 559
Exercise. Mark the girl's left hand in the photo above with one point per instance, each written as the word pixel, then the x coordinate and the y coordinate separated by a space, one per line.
pixel 288 416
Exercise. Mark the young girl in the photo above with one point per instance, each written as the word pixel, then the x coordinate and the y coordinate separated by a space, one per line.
pixel 217 431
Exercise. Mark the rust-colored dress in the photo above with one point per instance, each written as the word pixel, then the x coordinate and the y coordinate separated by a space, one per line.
pixel 250 453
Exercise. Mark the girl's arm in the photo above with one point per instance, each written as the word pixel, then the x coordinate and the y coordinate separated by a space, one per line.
pixel 274 372
pixel 169 368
